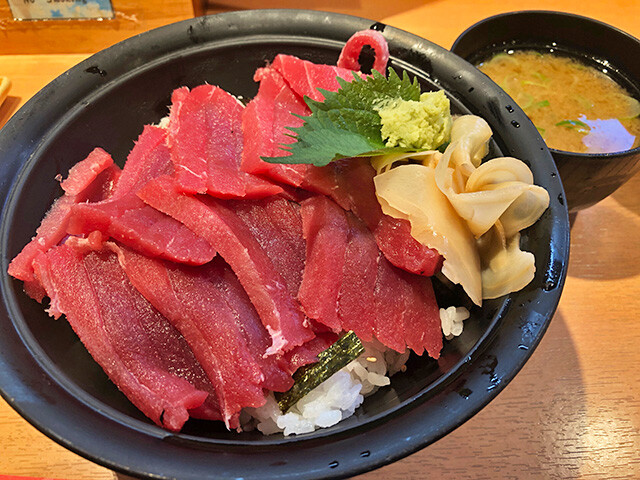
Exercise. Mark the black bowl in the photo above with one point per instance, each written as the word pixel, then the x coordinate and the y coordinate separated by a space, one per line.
pixel 48 377
pixel 587 178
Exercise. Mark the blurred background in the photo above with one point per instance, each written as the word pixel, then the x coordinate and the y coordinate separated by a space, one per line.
pixel 440 21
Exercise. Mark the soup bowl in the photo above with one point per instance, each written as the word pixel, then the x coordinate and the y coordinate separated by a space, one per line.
pixel 48 376
pixel 587 177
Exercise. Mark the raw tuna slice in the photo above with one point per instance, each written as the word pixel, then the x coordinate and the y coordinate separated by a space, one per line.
pixel 228 234
pixel 127 219
pixel 92 179
pixel 277 376
pixel 264 125
pixel 277 226
pixel 394 239
pixel 326 181
pixel 326 231
pixel 149 158
pixel 84 174
pixel 196 301
pixel 422 327
pixel 407 314
pixel 205 138
pixel 130 221
pixel 265 120
pixel 350 54
pixel 305 78
pixel 389 304
pixel 356 301
pixel 140 351
pixel 392 235
pixel 308 353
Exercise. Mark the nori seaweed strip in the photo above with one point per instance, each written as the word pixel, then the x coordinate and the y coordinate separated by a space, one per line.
pixel 346 349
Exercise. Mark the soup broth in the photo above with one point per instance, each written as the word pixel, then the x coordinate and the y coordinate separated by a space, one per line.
pixel 575 107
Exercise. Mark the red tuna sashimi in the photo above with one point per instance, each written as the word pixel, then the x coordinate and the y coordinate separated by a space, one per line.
pixel 149 158
pixel 305 77
pixel 422 326
pixel 264 125
pixel 326 181
pixel 132 222
pixel 350 54
pixel 308 353
pixel 394 238
pixel 356 301
pixel 325 230
pixel 137 347
pixel 266 119
pixel 126 218
pixel 407 314
pixel 194 299
pixel 389 304
pixel 89 180
pixel 277 376
pixel 277 226
pixel 278 309
pixel 82 175
pixel 205 138
pixel 392 235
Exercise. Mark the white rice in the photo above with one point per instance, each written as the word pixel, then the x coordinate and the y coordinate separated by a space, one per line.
pixel 338 397
pixel 334 400
pixel 452 319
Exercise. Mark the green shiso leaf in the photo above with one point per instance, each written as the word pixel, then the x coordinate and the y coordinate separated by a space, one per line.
pixel 346 349
pixel 346 123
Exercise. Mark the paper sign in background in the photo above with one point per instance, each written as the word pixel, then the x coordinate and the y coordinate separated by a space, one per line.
pixel 60 9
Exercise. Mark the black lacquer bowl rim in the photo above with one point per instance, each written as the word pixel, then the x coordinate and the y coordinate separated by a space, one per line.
pixel 42 394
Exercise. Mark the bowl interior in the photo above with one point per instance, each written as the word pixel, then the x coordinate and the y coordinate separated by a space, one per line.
pixel 105 101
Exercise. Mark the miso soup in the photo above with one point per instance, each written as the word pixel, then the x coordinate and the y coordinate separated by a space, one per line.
pixel 575 107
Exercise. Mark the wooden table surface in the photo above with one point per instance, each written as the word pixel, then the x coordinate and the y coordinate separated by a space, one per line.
pixel 573 411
